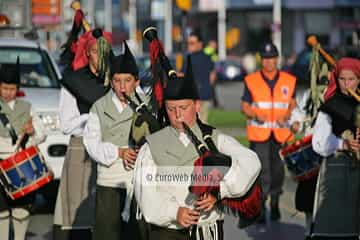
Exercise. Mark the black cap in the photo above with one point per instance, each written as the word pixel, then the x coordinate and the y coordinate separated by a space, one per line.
pixel 124 63
pixel 268 50
pixel 10 73
pixel 182 87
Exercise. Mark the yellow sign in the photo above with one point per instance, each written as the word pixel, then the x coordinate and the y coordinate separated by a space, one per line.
pixel 176 33
pixel 232 38
pixel 184 5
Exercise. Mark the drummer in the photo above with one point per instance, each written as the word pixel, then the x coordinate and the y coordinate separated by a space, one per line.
pixel 21 120
pixel 336 137
pixel 302 121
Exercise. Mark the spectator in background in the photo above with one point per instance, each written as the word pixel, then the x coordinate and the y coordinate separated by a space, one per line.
pixel 204 73
pixel 289 62
pixel 211 51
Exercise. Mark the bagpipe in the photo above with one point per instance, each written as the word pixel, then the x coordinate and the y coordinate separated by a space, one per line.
pixel 160 64
pixel 144 122
pixel 210 168
pixel 74 52
pixel 77 7
pixel 151 117
pixel 312 41
pixel 24 171
pixel 79 24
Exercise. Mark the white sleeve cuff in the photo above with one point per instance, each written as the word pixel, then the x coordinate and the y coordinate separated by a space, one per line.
pixel 224 192
pixel 172 209
pixel 340 144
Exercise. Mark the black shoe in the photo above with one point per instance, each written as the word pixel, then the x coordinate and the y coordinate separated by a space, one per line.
pixel 275 214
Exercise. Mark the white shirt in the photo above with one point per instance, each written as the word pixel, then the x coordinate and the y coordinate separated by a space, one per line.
pixel 298 114
pixel 111 171
pixel 159 204
pixel 105 153
pixel 39 136
pixel 324 142
pixel 71 122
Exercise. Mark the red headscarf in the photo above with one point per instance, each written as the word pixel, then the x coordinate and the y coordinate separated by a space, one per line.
pixel 352 64
pixel 83 45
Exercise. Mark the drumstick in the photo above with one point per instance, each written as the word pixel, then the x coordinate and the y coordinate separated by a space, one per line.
pixel 6 177
pixel 24 138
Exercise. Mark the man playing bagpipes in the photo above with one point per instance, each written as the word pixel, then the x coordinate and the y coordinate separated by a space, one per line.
pixel 106 137
pixel 83 83
pixel 336 136
pixel 172 209
pixel 17 119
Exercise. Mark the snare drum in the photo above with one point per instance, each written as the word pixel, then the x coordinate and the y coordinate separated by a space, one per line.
pixel 301 160
pixel 24 172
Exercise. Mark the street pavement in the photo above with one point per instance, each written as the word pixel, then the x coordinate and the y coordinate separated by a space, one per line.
pixel 291 225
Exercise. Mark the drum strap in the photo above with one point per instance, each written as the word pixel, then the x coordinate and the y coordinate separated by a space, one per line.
pixel 5 121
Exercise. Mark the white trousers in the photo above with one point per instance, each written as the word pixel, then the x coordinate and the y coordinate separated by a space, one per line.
pixel 20 219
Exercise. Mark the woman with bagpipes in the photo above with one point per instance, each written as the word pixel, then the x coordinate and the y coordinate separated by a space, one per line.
pixel 336 137
pixel 172 209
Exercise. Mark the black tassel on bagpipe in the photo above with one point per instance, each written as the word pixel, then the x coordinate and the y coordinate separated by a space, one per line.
pixel 162 72
pixel 69 48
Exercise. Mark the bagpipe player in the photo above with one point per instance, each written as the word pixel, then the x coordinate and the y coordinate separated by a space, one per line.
pixel 171 209
pixel 108 140
pixel 83 83
pixel 336 136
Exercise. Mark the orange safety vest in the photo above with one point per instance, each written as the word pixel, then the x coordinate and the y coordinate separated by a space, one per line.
pixel 272 104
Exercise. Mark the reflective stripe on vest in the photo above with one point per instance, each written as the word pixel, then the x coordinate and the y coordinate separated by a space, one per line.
pixel 266 124
pixel 270 104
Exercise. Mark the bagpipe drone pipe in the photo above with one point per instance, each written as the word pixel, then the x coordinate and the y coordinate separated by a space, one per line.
pixel 79 25
pixel 73 53
pixel 212 166
pixel 161 71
